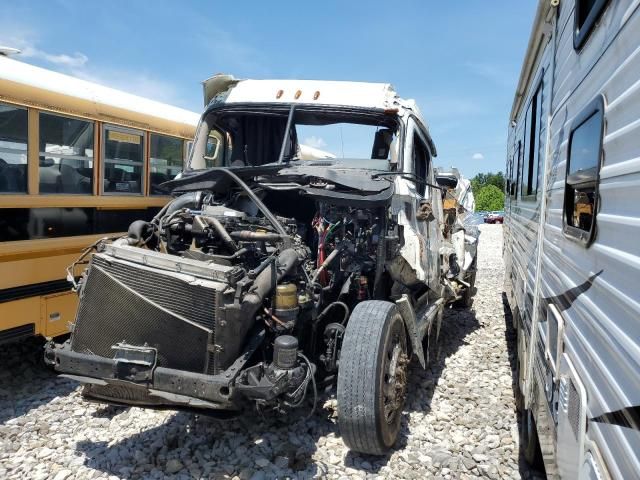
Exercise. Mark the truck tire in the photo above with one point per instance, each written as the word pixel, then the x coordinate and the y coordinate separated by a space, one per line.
pixel 467 296
pixel 372 377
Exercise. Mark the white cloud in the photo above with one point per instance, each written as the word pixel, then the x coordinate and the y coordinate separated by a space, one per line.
pixel 75 60
pixel 315 142
pixel 78 65
pixel 136 83
pixel 450 107
pixel 498 74
pixel 224 50
pixel 477 156
pixel 217 47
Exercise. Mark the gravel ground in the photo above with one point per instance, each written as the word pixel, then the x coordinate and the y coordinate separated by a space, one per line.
pixel 459 419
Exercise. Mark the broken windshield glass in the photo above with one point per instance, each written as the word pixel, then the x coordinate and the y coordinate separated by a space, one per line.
pixel 259 137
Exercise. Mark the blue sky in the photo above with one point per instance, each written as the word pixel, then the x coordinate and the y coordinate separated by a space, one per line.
pixel 459 60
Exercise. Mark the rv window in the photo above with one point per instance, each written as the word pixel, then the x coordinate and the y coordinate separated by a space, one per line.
pixel 532 146
pixel 583 172
pixel 514 170
pixel 586 14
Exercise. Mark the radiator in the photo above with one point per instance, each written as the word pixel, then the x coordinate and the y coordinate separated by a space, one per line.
pixel 126 301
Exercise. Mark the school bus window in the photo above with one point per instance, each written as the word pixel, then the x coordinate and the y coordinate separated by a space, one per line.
pixel 13 149
pixel 123 161
pixel 66 155
pixel 166 160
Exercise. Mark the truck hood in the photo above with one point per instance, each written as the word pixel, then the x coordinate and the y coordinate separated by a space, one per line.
pixel 319 175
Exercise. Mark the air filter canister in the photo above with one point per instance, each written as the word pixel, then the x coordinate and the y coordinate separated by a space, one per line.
pixel 285 351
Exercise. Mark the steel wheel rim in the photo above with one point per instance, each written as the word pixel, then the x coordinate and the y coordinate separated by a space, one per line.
pixel 395 376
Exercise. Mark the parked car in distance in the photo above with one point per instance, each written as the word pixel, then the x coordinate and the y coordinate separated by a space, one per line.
pixel 495 217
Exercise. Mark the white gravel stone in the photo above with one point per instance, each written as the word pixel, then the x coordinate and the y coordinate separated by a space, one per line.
pixel 63 475
pixel 459 419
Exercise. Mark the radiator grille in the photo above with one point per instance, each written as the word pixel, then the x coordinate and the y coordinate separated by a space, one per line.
pixel 195 302
pixel 122 301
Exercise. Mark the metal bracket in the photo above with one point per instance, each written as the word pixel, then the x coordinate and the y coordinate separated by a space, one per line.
pixel 409 317
pixel 419 323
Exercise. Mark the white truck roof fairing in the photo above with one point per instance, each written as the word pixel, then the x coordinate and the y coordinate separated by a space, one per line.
pixel 29 85
pixel 227 89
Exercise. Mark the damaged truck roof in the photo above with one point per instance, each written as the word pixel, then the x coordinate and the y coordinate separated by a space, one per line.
pixel 226 89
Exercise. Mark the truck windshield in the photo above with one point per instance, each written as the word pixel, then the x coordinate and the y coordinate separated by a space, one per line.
pixel 344 141
pixel 251 138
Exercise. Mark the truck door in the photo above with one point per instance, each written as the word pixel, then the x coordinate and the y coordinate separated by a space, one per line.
pixel 418 164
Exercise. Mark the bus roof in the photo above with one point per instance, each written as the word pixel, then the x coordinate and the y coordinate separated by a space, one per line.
pixel 32 86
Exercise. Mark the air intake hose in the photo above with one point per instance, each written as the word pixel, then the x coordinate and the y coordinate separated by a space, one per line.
pixel 285 263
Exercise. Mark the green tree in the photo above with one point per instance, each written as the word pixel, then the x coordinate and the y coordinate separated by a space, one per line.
pixel 489 198
pixel 483 179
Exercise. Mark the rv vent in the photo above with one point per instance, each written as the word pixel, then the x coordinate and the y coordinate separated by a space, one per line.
pixel 573 408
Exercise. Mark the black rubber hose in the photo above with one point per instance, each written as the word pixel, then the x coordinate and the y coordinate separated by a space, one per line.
pixel 136 231
pixel 261 206
pixel 220 230
pixel 188 200
pixel 257 236
pixel 191 199
pixel 263 284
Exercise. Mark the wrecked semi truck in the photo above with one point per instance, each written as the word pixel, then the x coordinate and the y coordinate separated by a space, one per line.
pixel 275 268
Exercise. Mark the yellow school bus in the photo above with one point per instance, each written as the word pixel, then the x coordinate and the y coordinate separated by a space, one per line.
pixel 78 162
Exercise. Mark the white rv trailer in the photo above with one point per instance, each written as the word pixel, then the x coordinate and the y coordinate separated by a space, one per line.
pixel 572 238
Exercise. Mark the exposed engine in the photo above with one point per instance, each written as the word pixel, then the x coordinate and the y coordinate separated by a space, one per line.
pixel 273 271
pixel 261 297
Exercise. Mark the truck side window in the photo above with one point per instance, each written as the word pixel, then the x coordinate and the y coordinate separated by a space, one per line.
pixel 214 155
pixel 420 161
pixel 584 159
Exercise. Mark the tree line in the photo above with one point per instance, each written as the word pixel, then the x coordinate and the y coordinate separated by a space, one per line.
pixel 488 190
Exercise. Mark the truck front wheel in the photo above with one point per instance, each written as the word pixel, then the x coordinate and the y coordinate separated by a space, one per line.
pixel 372 377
